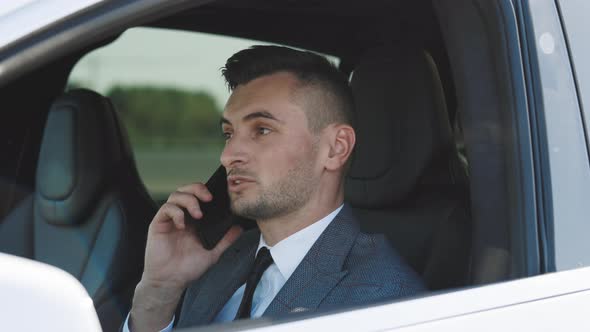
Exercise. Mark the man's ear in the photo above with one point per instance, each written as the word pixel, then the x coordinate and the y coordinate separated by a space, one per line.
pixel 341 139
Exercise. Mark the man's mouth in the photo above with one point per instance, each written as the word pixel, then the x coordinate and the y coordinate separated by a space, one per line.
pixel 237 183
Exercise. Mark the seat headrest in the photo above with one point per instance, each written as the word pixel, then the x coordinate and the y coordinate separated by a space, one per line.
pixel 401 125
pixel 81 144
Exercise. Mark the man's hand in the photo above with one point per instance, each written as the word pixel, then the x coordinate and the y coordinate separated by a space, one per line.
pixel 174 257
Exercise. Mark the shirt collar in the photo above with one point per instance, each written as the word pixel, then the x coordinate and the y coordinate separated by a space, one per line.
pixel 288 253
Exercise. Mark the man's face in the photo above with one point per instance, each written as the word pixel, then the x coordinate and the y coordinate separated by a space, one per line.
pixel 270 154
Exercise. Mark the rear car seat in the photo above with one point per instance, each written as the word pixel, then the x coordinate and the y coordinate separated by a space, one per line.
pixel 406 179
pixel 90 212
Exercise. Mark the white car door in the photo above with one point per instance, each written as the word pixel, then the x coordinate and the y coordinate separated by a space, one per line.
pixel 41 297
pixel 551 302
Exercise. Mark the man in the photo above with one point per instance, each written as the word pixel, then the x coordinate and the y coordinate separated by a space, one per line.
pixel 289 138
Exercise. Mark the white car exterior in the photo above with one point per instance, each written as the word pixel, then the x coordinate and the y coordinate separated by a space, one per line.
pixel 40 297
pixel 552 302
pixel 32 15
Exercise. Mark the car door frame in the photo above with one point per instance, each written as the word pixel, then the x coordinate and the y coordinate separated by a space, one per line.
pixel 559 137
pixel 77 30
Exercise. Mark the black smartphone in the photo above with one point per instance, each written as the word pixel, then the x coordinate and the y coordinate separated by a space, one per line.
pixel 217 217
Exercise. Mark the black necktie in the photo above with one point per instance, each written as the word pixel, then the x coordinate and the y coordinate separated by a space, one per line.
pixel 261 263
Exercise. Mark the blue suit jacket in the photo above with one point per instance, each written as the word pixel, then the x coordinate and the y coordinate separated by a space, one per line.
pixel 344 267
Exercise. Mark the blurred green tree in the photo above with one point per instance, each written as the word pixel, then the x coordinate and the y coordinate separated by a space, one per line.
pixel 167 117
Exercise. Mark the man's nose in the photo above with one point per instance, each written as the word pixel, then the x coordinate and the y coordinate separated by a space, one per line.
pixel 233 154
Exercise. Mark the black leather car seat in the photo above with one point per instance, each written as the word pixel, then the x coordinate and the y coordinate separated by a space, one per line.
pixel 90 212
pixel 406 179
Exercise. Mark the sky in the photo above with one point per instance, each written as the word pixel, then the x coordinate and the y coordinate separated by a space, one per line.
pixel 167 58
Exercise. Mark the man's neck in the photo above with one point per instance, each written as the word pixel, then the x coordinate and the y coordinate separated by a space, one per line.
pixel 277 229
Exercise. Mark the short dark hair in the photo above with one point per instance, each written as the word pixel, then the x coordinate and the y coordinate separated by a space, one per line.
pixel 310 69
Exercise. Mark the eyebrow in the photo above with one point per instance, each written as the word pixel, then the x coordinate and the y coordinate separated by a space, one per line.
pixel 252 116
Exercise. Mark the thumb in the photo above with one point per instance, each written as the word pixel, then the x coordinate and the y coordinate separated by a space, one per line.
pixel 230 237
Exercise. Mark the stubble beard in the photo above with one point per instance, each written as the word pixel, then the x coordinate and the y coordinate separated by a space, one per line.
pixel 281 198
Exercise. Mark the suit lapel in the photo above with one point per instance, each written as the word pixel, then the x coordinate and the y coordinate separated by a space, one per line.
pixel 320 270
pixel 221 282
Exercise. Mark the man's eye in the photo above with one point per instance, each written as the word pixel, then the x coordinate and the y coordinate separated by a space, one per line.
pixel 227 135
pixel 263 131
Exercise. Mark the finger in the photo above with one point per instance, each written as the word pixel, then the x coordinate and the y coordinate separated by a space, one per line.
pixel 197 189
pixel 230 237
pixel 170 213
pixel 186 201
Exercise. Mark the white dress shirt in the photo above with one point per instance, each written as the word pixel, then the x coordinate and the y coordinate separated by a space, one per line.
pixel 286 255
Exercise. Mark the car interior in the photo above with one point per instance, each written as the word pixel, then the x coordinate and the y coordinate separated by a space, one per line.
pixel 434 168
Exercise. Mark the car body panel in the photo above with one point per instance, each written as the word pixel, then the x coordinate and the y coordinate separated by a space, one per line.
pixel 542 315
pixel 31 16
pixel 565 172
pixel 525 304
pixel 40 297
